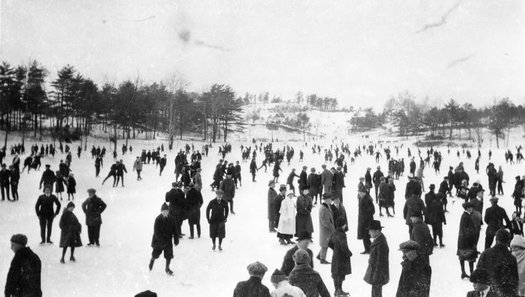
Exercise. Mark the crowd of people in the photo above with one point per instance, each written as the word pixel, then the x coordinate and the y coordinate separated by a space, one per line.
pixel 500 267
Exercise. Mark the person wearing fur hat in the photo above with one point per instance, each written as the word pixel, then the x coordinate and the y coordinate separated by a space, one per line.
pixel 305 277
pixel 341 265
pixel 501 265
pixel 415 274
pixel 283 287
pixel 517 247
pixel 23 278
pixel 377 274
pixel 326 226
pixel 495 216
pixel 164 231
pixel 272 200
pixel 46 213
pixel 253 286
pixel 217 214
pixel 286 226
pixel 70 232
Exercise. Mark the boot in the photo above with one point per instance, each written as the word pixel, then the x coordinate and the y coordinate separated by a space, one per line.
pixel 281 241
pixel 288 241
pixel 72 259
pixel 150 266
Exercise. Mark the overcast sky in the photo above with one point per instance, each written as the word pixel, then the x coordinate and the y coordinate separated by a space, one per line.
pixel 362 52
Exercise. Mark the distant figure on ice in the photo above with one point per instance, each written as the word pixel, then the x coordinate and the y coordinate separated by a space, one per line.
pixel 23 278
pixel 164 231
pixel 71 183
pixel 121 169
pixel 137 166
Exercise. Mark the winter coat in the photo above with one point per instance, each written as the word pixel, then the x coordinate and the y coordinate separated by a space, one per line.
pixel 303 218
pixel 287 217
pixel 285 289
pixel 71 185
pixel 467 237
pixel 415 279
pixel 339 212
pixel 70 230
pixel 228 186
pixel 303 180
pixel 327 181
pixel 313 184
pixel 491 293
pixel 377 177
pixel 494 217
pixel 93 207
pixel 308 280
pixel 368 179
pixel 443 187
pixel 164 229
pixel 251 288
pixel 413 204
pixel 326 224
pixel 217 211
pixel 44 206
pixel 288 262
pixel 341 256
pixel 517 246
pixel 339 182
pixel 4 177
pixel 421 234
pixel 436 214
pixel 59 185
pixel 365 216
pixel 48 177
pixel 429 197
pixel 137 165
pixel 121 168
pixel 377 272
pixel 23 278
pixel 502 268
pixel 197 181
pixel 272 201
pixel 413 187
pixel 193 206
pixel 177 201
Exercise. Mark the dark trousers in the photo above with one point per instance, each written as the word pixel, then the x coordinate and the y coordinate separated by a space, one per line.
pixel 489 238
pixel 500 187
pixel 198 230
pixel 138 174
pixel 14 190
pixel 5 190
pixel 437 231
pixel 94 234
pixel 46 223
pixel 366 243
pixel 97 171
pixel 376 188
pixel 377 291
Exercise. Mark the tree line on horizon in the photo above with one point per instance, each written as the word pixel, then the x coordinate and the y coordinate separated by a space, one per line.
pixel 413 118
pixel 74 105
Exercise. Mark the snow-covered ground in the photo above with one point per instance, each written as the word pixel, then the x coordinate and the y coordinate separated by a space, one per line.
pixel 119 266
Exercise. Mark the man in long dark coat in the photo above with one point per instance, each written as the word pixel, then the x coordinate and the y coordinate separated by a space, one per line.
pixel 164 231
pixel 272 200
pixel 217 214
pixel 377 274
pixel 341 265
pixel 376 179
pixel 494 217
pixel 501 265
pixel 365 216
pixel 228 187
pixel 303 180
pixel 93 208
pixel 23 278
pixel 421 234
pixel 413 187
pixel 176 199
pixel 413 204
pixel 339 183
pixel 48 177
pixel 194 202
pixel 416 273
pixel 467 239
pixel 5 176
pixel 46 214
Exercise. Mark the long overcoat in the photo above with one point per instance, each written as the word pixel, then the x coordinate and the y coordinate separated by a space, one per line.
pixel 326 224
pixel 287 217
pixel 93 207
pixel 70 229
pixel 303 218
pixel 365 216
pixel 341 264
pixel 377 272
pixel 415 279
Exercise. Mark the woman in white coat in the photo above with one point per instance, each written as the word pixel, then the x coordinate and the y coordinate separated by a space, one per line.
pixel 517 247
pixel 286 227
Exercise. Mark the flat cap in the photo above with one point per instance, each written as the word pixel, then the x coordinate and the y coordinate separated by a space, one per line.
pixel 257 269
pixel 19 238
pixel 409 246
